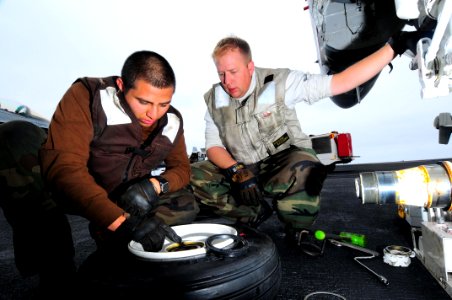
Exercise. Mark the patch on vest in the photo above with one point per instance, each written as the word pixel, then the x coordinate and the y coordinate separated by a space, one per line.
pixel 281 140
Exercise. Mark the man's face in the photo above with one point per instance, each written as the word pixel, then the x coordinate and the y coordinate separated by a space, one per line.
pixel 235 72
pixel 147 102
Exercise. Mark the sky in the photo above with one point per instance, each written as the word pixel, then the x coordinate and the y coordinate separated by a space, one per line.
pixel 48 44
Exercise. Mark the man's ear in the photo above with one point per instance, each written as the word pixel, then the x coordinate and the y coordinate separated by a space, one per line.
pixel 251 67
pixel 120 84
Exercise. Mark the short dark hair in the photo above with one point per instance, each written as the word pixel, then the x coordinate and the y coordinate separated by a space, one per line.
pixel 150 67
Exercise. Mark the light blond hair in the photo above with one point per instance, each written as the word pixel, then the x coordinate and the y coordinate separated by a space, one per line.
pixel 231 43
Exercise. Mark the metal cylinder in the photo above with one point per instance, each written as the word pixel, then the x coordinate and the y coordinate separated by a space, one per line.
pixel 423 186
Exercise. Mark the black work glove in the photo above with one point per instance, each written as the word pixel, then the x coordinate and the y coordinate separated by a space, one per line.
pixel 147 230
pixel 244 185
pixel 407 40
pixel 139 198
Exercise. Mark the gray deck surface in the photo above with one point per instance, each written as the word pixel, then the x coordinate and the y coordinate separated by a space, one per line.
pixel 335 271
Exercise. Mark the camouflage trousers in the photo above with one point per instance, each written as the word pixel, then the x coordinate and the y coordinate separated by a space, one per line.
pixel 42 235
pixel 177 208
pixel 287 178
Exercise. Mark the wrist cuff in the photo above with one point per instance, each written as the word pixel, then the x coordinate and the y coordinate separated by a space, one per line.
pixel 229 172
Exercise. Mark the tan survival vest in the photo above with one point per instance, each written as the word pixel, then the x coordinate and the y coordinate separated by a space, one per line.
pixel 260 125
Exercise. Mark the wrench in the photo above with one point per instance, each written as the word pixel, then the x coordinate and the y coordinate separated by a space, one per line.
pixel 372 254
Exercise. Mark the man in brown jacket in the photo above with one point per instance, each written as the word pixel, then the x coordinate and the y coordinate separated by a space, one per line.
pixel 105 141
pixel 105 137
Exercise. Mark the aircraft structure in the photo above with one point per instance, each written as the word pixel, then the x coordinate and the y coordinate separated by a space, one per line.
pixel 346 31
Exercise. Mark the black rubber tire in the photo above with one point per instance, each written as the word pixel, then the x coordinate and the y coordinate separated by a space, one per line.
pixel 254 275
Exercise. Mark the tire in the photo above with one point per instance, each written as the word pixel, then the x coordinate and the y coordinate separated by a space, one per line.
pixel 254 275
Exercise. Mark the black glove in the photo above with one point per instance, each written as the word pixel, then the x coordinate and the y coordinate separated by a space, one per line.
pixel 139 198
pixel 244 185
pixel 407 40
pixel 148 230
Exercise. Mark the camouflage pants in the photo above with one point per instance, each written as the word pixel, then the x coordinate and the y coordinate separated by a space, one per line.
pixel 42 235
pixel 177 208
pixel 287 178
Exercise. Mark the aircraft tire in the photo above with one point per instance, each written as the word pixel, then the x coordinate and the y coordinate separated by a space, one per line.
pixel 253 274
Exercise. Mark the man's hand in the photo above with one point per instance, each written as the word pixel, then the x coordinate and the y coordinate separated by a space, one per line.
pixel 407 40
pixel 139 198
pixel 149 231
pixel 244 185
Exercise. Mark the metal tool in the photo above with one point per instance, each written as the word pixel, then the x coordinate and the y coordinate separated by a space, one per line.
pixel 372 254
